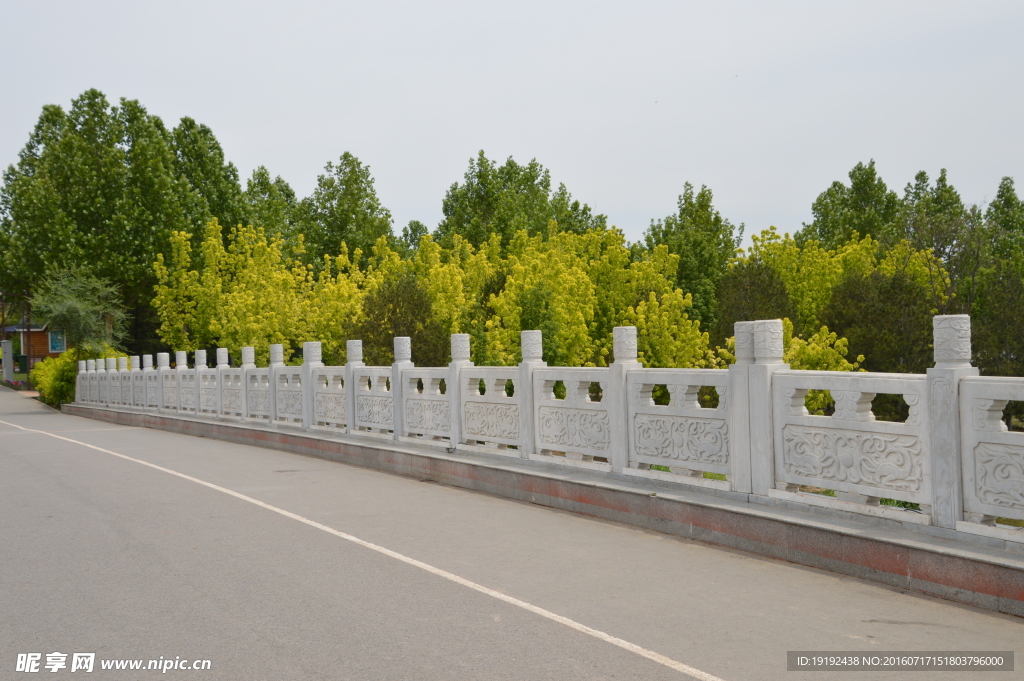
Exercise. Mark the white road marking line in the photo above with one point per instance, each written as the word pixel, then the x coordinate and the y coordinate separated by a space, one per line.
pixel 572 624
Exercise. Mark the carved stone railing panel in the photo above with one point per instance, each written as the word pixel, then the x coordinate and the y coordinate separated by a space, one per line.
pixel 152 380
pixel 209 392
pixel 375 406
pixel 94 387
pixel 850 451
pixel 576 427
pixel 113 387
pixel 232 392
pixel 288 394
pixel 103 385
pixel 257 394
pixel 427 412
pixel 187 390
pixel 992 456
pixel 330 400
pixel 688 439
pixel 492 419
pixel 169 390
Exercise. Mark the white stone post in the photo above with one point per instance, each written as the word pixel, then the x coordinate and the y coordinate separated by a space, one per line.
pixel 163 366
pixel 124 377
pixel 248 357
pixel 768 351
pixel 624 351
pixel 101 379
pixel 200 361
pixel 353 360
pixel 312 358
pixel 739 407
pixel 223 362
pixel 82 377
pixel 135 368
pixel 276 362
pixel 248 364
pixel 951 335
pixel 90 369
pixel 403 360
pixel 531 344
pixel 453 384
pixel 7 349
pixel 111 372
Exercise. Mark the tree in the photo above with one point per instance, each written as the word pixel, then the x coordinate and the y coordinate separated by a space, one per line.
pixel 87 308
pixel 94 188
pixel 866 208
pixel 506 199
pixel 199 159
pixel 751 289
pixel 271 203
pixel 705 242
pixel 344 208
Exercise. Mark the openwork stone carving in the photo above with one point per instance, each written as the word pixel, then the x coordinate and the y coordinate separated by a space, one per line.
pixel 999 474
pixel 484 420
pixel 232 398
pixel 852 405
pixel 952 338
pixel 988 415
pixel 289 402
pixel 768 340
pixel 259 400
pixel 682 438
pixel 378 411
pixel 624 343
pixel 891 462
pixel 427 415
pixel 586 428
pixel 330 407
pixel 914 409
pixel 532 344
pixel 796 404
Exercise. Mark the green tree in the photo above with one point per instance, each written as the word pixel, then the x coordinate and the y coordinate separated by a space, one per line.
pixel 199 159
pixel 506 199
pixel 343 208
pixel 751 289
pixel 705 242
pixel 87 308
pixel 95 188
pixel 271 204
pixel 866 207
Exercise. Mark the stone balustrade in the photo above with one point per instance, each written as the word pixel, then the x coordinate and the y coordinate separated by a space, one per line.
pixel 953 456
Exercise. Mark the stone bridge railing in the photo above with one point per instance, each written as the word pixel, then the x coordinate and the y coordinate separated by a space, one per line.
pixel 953 456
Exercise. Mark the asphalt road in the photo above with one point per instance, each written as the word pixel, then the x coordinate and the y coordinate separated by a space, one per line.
pixel 104 554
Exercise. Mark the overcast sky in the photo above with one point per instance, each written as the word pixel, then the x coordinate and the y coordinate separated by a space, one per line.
pixel 766 103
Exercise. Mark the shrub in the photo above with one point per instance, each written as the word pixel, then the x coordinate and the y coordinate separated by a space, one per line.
pixel 54 377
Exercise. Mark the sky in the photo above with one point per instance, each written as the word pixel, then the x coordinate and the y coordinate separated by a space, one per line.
pixel 765 103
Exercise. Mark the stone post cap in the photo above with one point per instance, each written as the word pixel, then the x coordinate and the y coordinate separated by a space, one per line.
pixel 82 366
pixel 624 343
pixel 122 364
pixel 312 352
pixel 136 363
pixel 248 356
pixel 768 348
pixel 90 365
pixel 531 344
pixel 163 360
pixel 460 347
pixel 200 359
pixel 111 363
pixel 744 335
pixel 951 334
pixel 276 354
pixel 147 361
pixel 403 349
pixel 181 359
pixel 222 358
pixel 354 350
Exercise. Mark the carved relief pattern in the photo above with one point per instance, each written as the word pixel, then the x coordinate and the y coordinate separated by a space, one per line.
pixel 103 390
pixel 139 396
pixel 289 402
pixel 188 398
pixel 427 415
pixel 151 395
pixel 744 333
pixel 94 391
pixel 126 393
pixel 232 398
pixel 914 409
pixel 484 420
pixel 378 411
pixel 532 345
pixel 624 343
pixel 988 414
pixel 208 398
pixel 852 405
pixel 952 338
pixel 796 404
pixel 891 462
pixel 170 396
pixel 259 400
pixel 587 428
pixel 681 437
pixel 999 474
pixel 768 338
pixel 330 407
